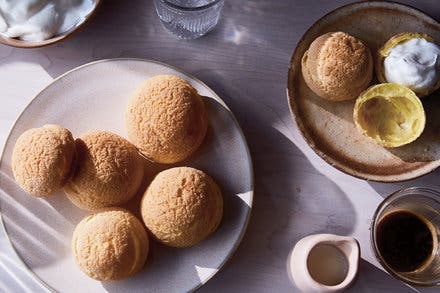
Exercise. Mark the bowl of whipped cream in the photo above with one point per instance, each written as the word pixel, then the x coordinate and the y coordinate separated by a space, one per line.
pixel 37 23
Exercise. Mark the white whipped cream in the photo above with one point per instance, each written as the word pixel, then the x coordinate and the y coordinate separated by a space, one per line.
pixel 414 64
pixel 37 20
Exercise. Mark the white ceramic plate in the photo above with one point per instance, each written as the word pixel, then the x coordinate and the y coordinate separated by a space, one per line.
pixel 92 97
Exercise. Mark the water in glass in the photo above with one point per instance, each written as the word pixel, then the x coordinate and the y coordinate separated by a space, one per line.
pixel 189 19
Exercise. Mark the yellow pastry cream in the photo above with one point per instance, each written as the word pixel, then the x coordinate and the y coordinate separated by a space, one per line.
pixel 391 114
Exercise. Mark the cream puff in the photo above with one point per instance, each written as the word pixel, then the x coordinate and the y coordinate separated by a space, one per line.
pixel 389 113
pixel 412 60
pixel 108 171
pixel 166 119
pixel 337 66
pixel 110 245
pixel 182 206
pixel 42 159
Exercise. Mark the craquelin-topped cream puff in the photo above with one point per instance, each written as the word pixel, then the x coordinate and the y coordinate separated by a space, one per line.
pixel 110 244
pixel 337 66
pixel 42 159
pixel 166 119
pixel 108 171
pixel 182 206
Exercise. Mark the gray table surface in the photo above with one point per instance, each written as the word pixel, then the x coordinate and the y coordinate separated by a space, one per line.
pixel 245 61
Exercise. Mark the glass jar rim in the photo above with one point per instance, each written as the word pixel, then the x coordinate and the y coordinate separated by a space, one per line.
pixel 389 199
pixel 186 8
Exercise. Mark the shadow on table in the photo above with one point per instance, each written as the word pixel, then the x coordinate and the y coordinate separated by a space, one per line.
pixel 373 279
pixel 286 208
pixel 385 189
pixel 132 29
pixel 118 29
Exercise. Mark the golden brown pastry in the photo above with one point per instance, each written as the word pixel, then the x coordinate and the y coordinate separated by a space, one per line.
pixel 42 159
pixel 108 172
pixel 182 206
pixel 337 66
pixel 166 119
pixel 110 244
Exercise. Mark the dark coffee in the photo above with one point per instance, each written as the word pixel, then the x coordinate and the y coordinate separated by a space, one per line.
pixel 404 241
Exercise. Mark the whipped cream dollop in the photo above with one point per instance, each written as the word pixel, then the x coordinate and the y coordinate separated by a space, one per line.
pixel 414 64
pixel 38 20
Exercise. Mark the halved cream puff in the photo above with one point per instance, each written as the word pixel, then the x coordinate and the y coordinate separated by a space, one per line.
pixel 412 60
pixel 389 113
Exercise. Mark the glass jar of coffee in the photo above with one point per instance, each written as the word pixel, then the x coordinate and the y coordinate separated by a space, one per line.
pixel 405 235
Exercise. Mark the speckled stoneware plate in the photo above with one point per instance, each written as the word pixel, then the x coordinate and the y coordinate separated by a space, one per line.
pixel 94 96
pixel 328 127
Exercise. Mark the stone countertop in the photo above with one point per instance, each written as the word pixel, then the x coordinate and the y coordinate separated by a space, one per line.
pixel 245 61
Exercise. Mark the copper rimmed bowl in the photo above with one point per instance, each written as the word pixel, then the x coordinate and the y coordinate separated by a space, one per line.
pixel 15 42
pixel 328 127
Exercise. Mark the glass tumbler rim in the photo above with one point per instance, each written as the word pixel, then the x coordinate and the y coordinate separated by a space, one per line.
pixel 387 201
pixel 185 8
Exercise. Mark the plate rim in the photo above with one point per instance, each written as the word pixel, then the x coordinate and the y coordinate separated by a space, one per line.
pixel 427 168
pixel 218 99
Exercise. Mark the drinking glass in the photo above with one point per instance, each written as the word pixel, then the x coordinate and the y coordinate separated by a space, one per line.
pixel 425 203
pixel 189 19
